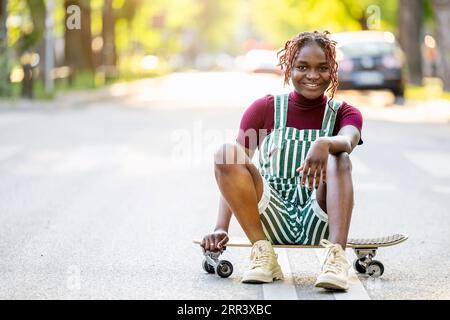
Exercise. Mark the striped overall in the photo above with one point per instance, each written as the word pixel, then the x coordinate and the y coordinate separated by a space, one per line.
pixel 289 212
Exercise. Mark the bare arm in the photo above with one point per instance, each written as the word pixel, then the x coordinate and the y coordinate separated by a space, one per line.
pixel 216 240
pixel 345 141
pixel 224 217
pixel 316 161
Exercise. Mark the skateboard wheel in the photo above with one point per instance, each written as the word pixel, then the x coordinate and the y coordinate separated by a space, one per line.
pixel 358 266
pixel 224 268
pixel 375 269
pixel 207 267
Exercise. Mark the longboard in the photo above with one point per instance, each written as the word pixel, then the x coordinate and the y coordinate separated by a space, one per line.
pixel 364 248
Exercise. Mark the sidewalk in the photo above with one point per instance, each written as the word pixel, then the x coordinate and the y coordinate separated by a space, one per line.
pixel 64 100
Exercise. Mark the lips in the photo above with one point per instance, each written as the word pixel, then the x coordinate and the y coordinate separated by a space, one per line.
pixel 312 85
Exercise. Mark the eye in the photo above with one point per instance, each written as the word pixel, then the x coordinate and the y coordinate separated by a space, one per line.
pixel 301 68
pixel 324 69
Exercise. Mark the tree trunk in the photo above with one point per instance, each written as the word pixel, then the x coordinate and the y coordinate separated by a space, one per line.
pixel 441 10
pixel 4 65
pixel 32 43
pixel 108 33
pixel 78 41
pixel 410 25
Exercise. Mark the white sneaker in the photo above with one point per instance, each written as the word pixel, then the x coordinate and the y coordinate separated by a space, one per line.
pixel 264 266
pixel 335 268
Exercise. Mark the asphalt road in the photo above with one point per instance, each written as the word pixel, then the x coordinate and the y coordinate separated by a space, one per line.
pixel 101 198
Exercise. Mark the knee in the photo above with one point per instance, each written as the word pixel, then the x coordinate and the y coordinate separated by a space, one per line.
pixel 227 155
pixel 341 162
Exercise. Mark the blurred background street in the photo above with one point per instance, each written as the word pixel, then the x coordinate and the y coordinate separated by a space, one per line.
pixel 110 112
pixel 96 192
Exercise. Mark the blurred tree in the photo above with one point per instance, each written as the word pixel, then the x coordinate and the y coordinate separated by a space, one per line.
pixel 442 14
pixel 109 58
pixel 209 30
pixel 356 10
pixel 78 38
pixel 31 40
pixel 410 27
pixel 4 63
pixel 278 20
pixel 428 15
pixel 126 11
pixel 29 43
pixel 214 23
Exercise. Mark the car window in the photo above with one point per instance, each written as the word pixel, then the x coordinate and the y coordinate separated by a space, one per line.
pixel 358 49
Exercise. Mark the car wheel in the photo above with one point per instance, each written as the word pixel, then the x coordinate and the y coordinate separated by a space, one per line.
pixel 399 92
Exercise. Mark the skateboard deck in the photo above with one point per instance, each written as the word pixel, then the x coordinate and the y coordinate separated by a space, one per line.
pixel 364 248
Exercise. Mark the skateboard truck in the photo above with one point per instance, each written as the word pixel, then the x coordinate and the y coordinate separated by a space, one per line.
pixel 365 263
pixel 212 264
pixel 364 248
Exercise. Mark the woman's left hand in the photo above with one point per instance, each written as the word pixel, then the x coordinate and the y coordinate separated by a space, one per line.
pixel 315 165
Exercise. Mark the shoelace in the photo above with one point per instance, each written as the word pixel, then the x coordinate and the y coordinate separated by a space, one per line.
pixel 259 256
pixel 331 258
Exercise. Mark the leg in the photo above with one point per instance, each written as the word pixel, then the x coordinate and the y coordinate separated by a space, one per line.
pixel 336 197
pixel 241 186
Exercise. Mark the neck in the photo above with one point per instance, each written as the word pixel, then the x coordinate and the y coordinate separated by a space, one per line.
pixel 303 102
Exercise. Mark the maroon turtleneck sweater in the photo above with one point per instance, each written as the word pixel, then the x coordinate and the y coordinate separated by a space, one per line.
pixel 303 113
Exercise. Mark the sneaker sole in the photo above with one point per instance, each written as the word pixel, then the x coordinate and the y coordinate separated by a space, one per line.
pixel 331 284
pixel 277 275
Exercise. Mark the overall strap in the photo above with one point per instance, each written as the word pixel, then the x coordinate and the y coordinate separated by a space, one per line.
pixel 281 107
pixel 280 116
pixel 329 117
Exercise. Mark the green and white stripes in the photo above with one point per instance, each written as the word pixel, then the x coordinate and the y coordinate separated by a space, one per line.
pixel 290 216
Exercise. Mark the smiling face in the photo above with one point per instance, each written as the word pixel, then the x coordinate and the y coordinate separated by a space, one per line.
pixel 310 74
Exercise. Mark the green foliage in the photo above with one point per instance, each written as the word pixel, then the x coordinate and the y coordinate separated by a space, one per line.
pixel 414 92
pixel 27 28
pixel 5 88
pixel 188 28
pixel 278 20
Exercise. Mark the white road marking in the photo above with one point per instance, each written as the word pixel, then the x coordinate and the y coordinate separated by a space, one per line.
pixel 284 289
pixel 441 189
pixel 356 290
pixel 434 163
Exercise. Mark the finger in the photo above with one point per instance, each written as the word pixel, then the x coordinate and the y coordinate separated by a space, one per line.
pixel 317 179
pixel 324 174
pixel 299 169
pixel 207 244
pixel 203 243
pixel 212 247
pixel 304 173
pixel 311 175
pixel 216 242
pixel 222 242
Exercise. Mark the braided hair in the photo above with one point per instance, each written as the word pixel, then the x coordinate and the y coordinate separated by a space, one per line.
pixel 292 47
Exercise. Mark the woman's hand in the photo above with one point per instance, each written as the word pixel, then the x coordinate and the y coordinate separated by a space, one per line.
pixel 315 165
pixel 215 241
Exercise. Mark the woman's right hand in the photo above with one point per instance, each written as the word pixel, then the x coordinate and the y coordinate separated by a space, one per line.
pixel 215 241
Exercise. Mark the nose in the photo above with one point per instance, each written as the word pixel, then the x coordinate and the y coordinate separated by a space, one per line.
pixel 312 75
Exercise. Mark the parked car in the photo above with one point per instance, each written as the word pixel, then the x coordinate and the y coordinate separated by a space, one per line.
pixel 370 60
pixel 262 60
